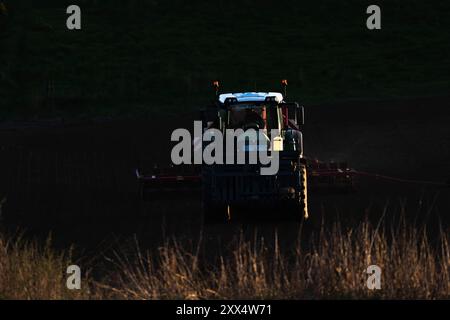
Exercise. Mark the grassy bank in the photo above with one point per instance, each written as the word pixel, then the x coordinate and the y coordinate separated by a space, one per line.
pixel 332 264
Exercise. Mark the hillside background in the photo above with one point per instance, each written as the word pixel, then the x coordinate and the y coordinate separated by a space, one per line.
pixel 134 58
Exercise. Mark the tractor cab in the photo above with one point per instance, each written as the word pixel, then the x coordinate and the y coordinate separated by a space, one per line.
pixel 252 110
pixel 260 111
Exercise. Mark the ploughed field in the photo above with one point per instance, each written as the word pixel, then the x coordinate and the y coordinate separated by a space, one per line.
pixel 76 180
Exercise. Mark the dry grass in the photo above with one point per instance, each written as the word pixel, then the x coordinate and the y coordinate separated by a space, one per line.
pixel 31 271
pixel 331 265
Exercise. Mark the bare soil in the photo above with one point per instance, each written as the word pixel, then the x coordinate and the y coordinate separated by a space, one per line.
pixel 77 180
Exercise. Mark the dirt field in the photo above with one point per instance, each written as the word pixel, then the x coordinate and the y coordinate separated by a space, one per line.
pixel 77 179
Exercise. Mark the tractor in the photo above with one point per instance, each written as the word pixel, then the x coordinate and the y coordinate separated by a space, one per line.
pixel 231 188
pixel 234 191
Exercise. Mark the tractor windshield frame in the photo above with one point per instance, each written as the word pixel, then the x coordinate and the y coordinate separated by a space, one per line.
pixel 266 115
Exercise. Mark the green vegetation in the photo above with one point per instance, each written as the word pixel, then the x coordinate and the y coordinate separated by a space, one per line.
pixel 331 265
pixel 137 57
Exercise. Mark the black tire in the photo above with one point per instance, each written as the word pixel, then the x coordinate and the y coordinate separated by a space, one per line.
pixel 303 194
pixel 212 213
pixel 298 208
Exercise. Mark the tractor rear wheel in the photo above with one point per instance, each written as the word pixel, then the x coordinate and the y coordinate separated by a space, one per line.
pixel 298 208
pixel 303 194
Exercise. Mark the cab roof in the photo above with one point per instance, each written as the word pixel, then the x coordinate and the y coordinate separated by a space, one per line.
pixel 251 96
